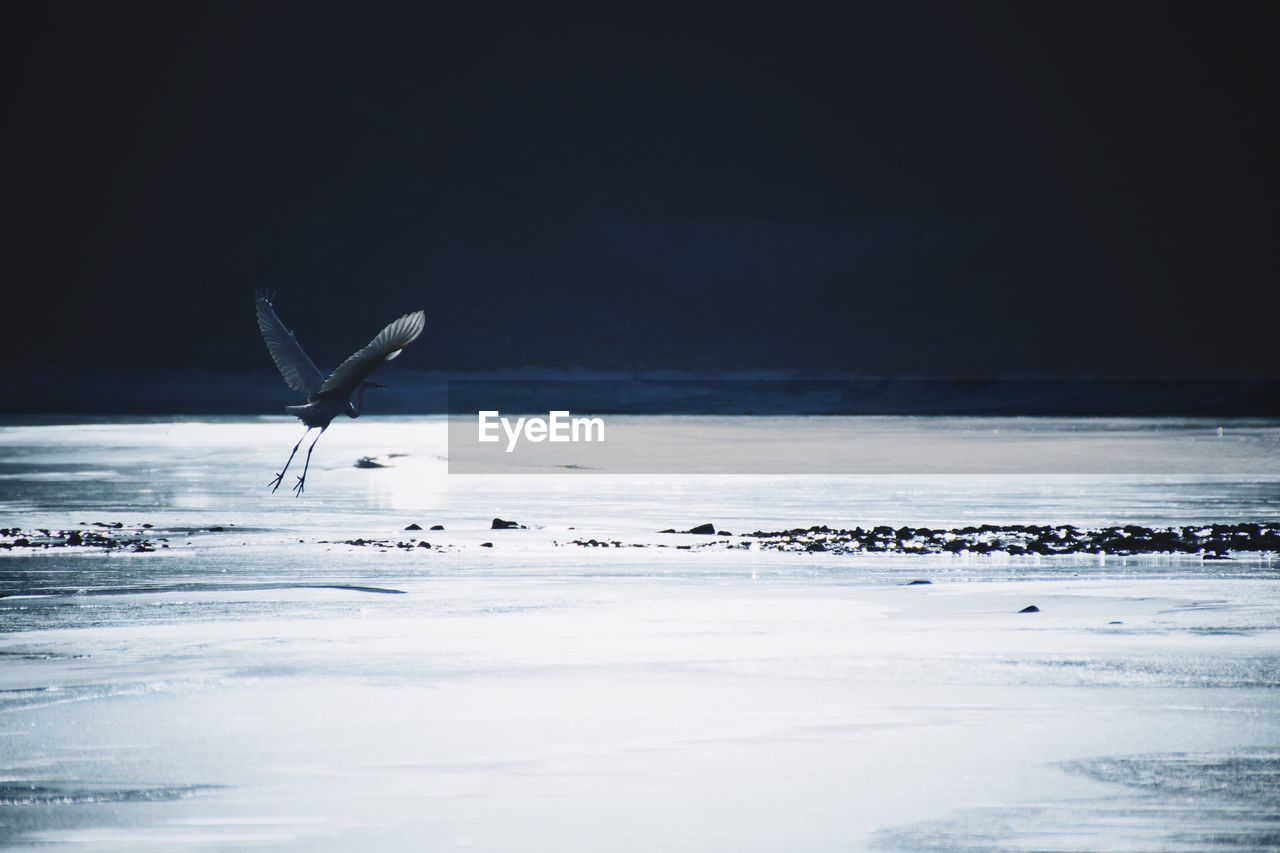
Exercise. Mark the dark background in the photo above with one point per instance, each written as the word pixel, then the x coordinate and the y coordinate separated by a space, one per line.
pixel 940 189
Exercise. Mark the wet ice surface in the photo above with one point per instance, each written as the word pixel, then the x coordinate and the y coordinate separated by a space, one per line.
pixel 244 688
pixel 1202 801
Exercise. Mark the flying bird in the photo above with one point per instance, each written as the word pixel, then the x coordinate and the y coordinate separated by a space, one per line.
pixel 328 397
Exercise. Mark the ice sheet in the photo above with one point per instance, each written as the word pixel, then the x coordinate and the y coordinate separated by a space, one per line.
pixel 245 688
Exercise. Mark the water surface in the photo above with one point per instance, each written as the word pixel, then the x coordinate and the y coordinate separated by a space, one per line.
pixel 266 685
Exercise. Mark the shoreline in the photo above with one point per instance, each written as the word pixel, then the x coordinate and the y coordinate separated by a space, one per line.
pixel 1213 541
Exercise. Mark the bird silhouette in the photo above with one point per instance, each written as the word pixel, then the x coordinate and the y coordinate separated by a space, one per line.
pixel 328 397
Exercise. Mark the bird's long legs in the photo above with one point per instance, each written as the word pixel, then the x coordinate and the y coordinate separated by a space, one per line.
pixel 303 479
pixel 275 484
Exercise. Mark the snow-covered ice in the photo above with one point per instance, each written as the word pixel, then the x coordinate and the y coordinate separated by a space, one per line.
pixel 267 686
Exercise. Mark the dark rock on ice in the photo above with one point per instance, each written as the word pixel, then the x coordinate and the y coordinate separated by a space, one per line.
pixel 437 527
pixel 1030 608
pixel 1217 541
pixel 703 530
pixel 414 526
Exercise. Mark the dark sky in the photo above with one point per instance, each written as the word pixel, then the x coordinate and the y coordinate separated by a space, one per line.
pixel 949 188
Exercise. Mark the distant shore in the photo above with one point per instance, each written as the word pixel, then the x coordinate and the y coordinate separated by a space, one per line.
pixel 148 392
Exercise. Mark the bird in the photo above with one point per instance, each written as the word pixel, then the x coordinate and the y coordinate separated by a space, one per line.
pixel 328 397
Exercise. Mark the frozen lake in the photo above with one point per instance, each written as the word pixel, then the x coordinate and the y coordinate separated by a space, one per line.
pixel 265 685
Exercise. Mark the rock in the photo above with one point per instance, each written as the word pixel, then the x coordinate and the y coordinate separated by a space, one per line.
pixel 1115 622
pixel 918 583
pixel 414 527
pixel 437 527
pixel 499 524
pixel 1211 542
pixel 486 544
pixel 1030 608
pixel 424 544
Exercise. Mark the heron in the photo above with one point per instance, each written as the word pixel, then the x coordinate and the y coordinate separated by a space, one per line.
pixel 328 397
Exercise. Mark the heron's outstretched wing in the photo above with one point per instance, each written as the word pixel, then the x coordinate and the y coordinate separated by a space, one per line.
pixel 384 347
pixel 298 371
